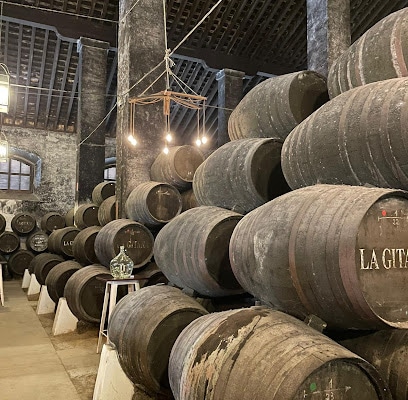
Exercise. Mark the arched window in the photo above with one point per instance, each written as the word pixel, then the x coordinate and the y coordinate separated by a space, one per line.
pixel 16 175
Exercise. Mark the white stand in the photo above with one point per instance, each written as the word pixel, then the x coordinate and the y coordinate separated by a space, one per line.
pixel 111 382
pixel 1 286
pixel 26 280
pixel 34 288
pixel 45 304
pixel 65 321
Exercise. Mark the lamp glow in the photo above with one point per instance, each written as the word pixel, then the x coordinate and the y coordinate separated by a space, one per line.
pixel 169 138
pixel 166 150
pixel 198 142
pixel 204 139
pixel 132 140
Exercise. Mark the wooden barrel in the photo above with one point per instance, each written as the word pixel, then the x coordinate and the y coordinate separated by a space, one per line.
pixel 136 238
pixel 69 217
pixel 42 264
pixel 83 247
pixel 188 200
pixel 364 143
pixel 241 175
pixel 37 242
pixel 107 211
pixel 275 106
pixel 277 356
pixel 144 348
pixel 60 241
pixel 192 251
pixel 2 223
pixel 52 221
pixel 85 293
pixel 20 261
pixel 153 203
pixel 9 242
pixel 58 277
pixel 102 191
pixel 387 351
pixel 177 167
pixel 327 250
pixel 86 215
pixel 23 224
pixel 152 275
pixel 377 55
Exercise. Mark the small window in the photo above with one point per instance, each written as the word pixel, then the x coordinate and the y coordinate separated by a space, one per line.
pixel 110 173
pixel 16 176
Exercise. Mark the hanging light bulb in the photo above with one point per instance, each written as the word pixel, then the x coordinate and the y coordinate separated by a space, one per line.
pixel 132 140
pixel 169 137
pixel 198 142
pixel 166 150
pixel 204 140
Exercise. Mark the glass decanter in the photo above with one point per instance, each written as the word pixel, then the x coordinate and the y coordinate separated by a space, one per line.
pixel 121 267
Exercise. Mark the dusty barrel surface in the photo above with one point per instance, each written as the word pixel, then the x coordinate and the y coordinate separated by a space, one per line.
pixel 274 107
pixel 2 223
pixel 339 252
pixel 364 143
pixel 83 247
pixel 85 293
pixel 102 191
pixel 42 264
pixel 58 276
pixel 144 348
pixel 69 217
pixel 20 261
pixel 86 215
pixel 23 224
pixel 192 251
pixel 37 242
pixel 277 356
pixel 379 54
pixel 188 200
pixel 387 351
pixel 136 238
pixel 52 221
pixel 177 167
pixel 153 203
pixel 60 241
pixel 9 242
pixel 107 211
pixel 241 175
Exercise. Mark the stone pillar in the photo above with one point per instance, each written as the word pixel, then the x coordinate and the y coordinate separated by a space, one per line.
pixel 91 111
pixel 141 48
pixel 328 32
pixel 230 88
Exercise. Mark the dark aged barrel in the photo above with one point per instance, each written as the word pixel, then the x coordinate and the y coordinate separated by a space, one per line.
pixel 152 275
pixel 58 276
pixel 144 348
pixel 85 293
pixel 338 252
pixel 153 203
pixel 364 144
pixel 37 242
pixel 20 261
pixel 107 211
pixel 387 351
pixel 2 223
pixel 9 242
pixel 102 191
pixel 42 264
pixel 23 224
pixel 136 238
pixel 379 54
pixel 192 251
pixel 60 241
pixel 241 175
pixel 177 167
pixel 188 200
pixel 83 247
pixel 69 217
pixel 274 107
pixel 86 215
pixel 52 221
pixel 258 353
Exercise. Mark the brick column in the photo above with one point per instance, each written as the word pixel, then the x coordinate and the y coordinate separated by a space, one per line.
pixel 328 32
pixel 230 87
pixel 91 111
pixel 141 48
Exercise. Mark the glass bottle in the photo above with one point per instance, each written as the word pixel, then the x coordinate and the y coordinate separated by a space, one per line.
pixel 121 267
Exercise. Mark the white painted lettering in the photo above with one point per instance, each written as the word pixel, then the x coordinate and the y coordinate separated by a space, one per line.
pixel 386 262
